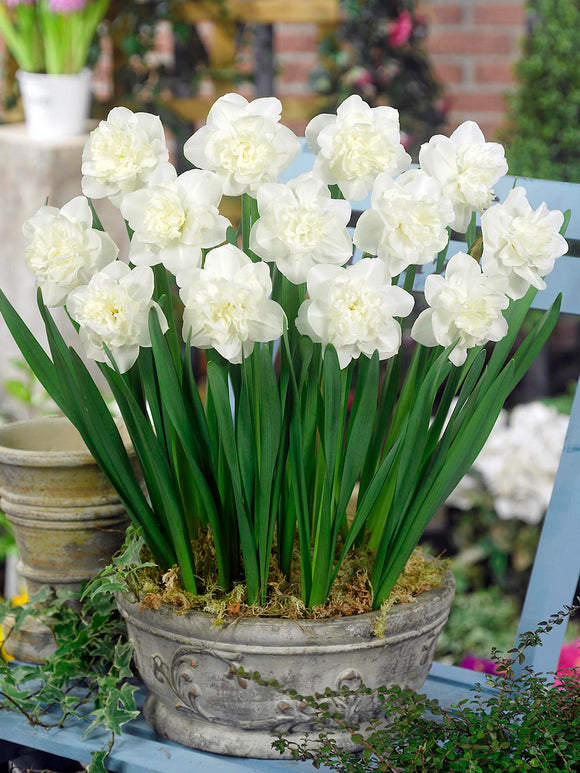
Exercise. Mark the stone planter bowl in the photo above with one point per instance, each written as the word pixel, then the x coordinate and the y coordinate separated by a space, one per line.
pixel 197 699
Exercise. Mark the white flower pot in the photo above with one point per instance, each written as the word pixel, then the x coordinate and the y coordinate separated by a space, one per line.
pixel 55 106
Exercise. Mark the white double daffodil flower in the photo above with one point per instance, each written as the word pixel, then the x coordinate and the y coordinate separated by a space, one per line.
pixel 63 249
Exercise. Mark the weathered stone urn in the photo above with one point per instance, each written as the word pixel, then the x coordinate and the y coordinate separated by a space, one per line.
pixel 67 519
pixel 196 697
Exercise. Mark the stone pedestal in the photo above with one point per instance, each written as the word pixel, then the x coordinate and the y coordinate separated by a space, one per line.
pixel 33 173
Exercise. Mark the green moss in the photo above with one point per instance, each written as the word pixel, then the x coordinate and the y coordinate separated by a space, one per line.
pixel 421 573
pixel 351 593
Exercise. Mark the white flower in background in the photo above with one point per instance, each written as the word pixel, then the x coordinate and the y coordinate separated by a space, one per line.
pixel 174 219
pixel 353 309
pixel 356 144
pixel 466 306
pixel 243 142
pixel 113 311
pixel 467 167
pixel 519 461
pixel 300 225
pixel 122 153
pixel 63 250
pixel 407 222
pixel 466 494
pixel 521 243
pixel 227 304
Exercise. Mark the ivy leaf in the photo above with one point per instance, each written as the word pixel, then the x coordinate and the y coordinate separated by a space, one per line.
pixel 97 763
pixel 122 659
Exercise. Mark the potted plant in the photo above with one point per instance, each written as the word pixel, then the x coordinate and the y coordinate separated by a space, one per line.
pixel 50 41
pixel 249 506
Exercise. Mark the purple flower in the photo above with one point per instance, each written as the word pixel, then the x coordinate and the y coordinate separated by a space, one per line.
pixel 66 6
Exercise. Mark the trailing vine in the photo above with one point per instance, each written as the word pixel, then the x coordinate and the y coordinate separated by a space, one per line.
pixel 529 725
pixel 516 721
pixel 89 677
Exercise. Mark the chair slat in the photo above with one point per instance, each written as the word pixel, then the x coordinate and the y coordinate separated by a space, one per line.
pixel 451 684
pixel 556 569
pixel 137 750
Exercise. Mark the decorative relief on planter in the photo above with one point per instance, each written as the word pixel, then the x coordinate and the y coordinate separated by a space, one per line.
pixel 291 716
pixel 179 677
pixel 299 717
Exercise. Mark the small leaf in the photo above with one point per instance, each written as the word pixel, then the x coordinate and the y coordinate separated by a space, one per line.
pixel 97 763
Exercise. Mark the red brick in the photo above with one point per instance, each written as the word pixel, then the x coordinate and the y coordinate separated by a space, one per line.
pixel 298 127
pixel 468 43
pixel 447 72
pixel 507 13
pixel 442 14
pixel 482 101
pixel 296 43
pixel 295 71
pixel 494 72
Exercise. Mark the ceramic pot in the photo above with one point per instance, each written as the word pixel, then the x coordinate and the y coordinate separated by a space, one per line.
pixel 66 517
pixel 197 699
pixel 55 106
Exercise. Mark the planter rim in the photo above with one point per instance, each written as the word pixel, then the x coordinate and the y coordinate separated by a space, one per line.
pixel 305 632
pixel 85 72
pixel 13 453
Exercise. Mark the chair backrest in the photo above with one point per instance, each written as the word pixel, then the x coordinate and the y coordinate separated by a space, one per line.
pixel 556 569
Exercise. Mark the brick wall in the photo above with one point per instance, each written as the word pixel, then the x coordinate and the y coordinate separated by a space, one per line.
pixel 295 46
pixel 473 45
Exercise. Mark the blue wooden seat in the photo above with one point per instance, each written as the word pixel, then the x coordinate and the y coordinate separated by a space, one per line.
pixel 552 585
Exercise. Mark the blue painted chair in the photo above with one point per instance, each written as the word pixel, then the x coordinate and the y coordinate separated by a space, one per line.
pixel 553 582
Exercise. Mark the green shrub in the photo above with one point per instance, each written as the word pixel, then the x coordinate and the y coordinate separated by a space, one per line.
pixel 544 128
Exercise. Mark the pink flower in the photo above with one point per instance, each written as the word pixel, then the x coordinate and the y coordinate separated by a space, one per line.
pixel 66 6
pixel 400 30
pixel 569 661
pixel 363 77
pixel 484 666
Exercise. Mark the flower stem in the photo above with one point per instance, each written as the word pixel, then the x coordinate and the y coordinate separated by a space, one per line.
pixel 246 222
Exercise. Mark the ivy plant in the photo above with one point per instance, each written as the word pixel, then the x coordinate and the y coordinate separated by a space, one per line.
pixel 89 677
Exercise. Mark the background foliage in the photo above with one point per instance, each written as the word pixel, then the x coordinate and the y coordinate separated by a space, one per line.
pixel 150 71
pixel 544 132
pixel 377 53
